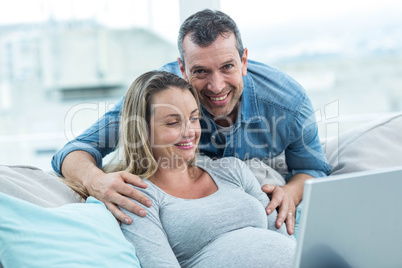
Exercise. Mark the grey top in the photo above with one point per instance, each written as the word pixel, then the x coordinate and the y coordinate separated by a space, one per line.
pixel 228 228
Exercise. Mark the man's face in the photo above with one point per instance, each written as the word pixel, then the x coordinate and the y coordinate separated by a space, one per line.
pixel 216 71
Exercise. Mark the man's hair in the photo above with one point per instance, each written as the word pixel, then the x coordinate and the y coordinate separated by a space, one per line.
pixel 205 26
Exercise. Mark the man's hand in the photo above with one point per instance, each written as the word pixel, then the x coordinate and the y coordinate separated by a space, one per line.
pixel 287 208
pixel 113 190
pixel 286 198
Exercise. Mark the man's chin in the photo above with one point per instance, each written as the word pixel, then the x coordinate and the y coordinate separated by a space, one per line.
pixel 222 115
pixel 218 112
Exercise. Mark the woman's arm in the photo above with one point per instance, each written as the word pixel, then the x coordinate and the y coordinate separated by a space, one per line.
pixel 149 239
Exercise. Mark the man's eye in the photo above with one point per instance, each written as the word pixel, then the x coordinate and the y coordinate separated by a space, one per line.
pixel 172 123
pixel 199 71
pixel 227 66
pixel 194 119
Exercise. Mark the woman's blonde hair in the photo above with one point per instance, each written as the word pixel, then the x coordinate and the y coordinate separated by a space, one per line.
pixel 134 142
pixel 134 153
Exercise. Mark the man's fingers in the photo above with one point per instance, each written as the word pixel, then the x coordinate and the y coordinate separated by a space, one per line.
pixel 275 196
pixel 133 179
pixel 116 191
pixel 290 223
pixel 283 213
pixel 130 205
pixel 129 191
pixel 280 199
pixel 275 202
pixel 118 214
pixel 268 189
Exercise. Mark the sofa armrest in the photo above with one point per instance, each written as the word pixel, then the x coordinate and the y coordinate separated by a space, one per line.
pixel 35 186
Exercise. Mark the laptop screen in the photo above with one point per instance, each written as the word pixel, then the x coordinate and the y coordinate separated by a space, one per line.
pixel 352 220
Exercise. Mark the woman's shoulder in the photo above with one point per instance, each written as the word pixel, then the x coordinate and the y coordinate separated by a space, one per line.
pixel 152 192
pixel 224 169
pixel 229 162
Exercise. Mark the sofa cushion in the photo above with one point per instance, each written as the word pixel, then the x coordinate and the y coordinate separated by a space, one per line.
pixel 73 235
pixel 374 145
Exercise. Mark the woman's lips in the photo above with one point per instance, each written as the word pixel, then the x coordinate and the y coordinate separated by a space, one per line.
pixel 185 145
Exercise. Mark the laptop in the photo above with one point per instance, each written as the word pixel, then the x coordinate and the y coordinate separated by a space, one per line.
pixel 352 220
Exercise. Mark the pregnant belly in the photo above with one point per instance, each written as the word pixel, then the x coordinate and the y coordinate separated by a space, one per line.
pixel 247 247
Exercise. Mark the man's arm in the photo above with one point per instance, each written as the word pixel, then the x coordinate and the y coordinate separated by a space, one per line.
pixel 81 161
pixel 112 188
pixel 305 159
pixel 98 140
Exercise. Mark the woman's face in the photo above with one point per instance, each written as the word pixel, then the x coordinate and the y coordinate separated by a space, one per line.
pixel 175 127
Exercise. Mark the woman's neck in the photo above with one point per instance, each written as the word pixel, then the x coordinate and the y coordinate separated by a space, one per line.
pixel 173 167
pixel 189 182
pixel 173 175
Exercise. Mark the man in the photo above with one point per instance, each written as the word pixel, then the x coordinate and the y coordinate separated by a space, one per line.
pixel 250 110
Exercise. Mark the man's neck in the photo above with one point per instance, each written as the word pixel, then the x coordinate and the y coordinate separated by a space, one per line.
pixel 229 120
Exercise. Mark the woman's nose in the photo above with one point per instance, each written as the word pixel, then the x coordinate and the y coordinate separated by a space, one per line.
pixel 188 130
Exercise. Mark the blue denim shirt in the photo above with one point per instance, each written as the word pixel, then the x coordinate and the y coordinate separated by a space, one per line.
pixel 276 116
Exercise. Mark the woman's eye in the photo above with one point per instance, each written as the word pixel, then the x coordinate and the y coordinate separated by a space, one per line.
pixel 195 119
pixel 172 123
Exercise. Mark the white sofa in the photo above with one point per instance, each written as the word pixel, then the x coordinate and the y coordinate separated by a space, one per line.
pixel 375 145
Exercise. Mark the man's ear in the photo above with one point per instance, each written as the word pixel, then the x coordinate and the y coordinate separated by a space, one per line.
pixel 244 62
pixel 183 72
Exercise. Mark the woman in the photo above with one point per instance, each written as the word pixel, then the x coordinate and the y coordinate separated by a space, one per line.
pixel 205 213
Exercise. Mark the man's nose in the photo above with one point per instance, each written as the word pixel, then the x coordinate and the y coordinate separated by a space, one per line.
pixel 216 83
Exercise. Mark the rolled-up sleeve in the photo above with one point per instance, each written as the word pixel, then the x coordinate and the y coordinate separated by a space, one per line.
pixel 98 140
pixel 305 154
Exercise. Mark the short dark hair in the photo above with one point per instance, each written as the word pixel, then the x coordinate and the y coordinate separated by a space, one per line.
pixel 205 26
